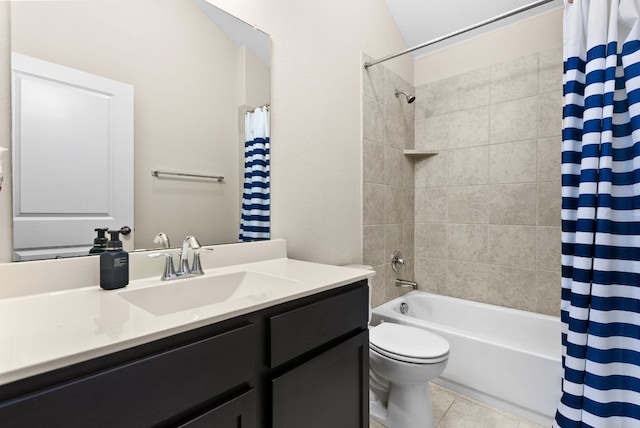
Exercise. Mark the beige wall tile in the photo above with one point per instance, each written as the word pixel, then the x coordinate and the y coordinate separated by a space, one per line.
pixel 550 78
pixel 513 162
pixel 467 242
pixel 432 171
pixel 432 99
pixel 467 280
pixel 372 123
pixel 409 131
pixel 514 120
pixel 485 208
pixel 513 79
pixel 393 166
pixel 409 206
pixel 431 205
pixel 431 274
pixel 547 298
pixel 549 203
pixel 469 128
pixel 393 129
pixel 408 241
pixel 373 162
pixel 549 248
pixel 393 234
pixel 513 204
pixel 432 133
pixel 468 204
pixel 549 158
pixel 468 166
pixel 408 172
pixel 431 241
pixel 469 90
pixel 393 205
pixel 550 114
pixel 512 245
pixel 373 203
pixel 373 245
pixel 512 287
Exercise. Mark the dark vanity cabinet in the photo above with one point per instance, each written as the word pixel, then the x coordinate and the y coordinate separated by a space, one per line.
pixel 301 364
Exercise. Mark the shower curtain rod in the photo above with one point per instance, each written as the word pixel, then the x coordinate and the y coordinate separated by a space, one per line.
pixel 456 33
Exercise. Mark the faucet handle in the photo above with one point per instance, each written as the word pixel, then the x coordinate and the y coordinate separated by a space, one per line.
pixel 169 272
pixel 196 267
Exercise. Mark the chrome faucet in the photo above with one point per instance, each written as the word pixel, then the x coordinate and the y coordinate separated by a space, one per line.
pixel 169 272
pixel 406 283
pixel 195 269
pixel 185 271
pixel 162 239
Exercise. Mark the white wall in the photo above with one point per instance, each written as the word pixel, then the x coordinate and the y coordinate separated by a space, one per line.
pixel 316 126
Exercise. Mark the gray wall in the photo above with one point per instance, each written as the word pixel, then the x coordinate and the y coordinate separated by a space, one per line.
pixel 388 179
pixel 486 209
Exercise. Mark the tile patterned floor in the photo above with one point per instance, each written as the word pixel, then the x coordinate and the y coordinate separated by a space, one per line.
pixel 452 410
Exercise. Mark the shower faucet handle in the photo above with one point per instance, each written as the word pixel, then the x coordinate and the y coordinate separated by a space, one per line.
pixel 397 261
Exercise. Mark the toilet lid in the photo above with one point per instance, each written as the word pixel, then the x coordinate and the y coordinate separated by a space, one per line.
pixel 403 341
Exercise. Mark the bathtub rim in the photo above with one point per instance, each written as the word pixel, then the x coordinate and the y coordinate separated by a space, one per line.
pixel 387 309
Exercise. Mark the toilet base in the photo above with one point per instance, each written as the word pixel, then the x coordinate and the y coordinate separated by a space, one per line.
pixel 408 407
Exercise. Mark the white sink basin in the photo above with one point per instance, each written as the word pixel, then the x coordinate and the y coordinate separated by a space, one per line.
pixel 190 293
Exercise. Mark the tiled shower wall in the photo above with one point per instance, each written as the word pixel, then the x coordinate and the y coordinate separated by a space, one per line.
pixel 487 207
pixel 481 219
pixel 388 198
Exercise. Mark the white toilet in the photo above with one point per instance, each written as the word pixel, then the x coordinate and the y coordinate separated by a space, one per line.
pixel 402 361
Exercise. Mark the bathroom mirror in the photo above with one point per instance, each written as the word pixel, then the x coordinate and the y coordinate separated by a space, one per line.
pixel 195 70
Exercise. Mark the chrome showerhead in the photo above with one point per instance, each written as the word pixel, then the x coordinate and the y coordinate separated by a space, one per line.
pixel 410 98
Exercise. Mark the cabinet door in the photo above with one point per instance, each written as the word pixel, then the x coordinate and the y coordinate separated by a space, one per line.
pixel 331 390
pixel 237 413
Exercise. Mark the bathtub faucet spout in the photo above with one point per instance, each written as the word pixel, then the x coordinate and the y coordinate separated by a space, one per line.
pixel 406 283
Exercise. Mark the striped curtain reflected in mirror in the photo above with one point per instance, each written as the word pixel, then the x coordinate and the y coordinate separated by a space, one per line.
pixel 256 194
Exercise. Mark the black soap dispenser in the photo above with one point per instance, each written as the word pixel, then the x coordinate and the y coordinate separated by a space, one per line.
pixel 114 264
pixel 100 243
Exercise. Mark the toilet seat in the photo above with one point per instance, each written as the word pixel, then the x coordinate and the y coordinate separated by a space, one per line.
pixel 408 344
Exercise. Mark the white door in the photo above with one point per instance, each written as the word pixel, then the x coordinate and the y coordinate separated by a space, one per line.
pixel 72 158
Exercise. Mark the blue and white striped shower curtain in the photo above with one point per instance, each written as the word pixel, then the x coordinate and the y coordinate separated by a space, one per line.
pixel 600 307
pixel 256 194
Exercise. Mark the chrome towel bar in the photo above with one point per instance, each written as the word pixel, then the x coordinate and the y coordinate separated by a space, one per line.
pixel 158 173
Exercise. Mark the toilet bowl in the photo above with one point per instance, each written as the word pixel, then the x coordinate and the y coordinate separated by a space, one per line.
pixel 402 361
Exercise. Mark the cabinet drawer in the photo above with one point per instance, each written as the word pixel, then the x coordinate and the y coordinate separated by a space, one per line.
pixel 237 413
pixel 143 392
pixel 301 330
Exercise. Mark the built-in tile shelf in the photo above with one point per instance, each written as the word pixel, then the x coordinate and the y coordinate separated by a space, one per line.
pixel 420 153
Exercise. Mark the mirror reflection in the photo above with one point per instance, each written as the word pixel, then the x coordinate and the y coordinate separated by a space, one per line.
pixel 194 71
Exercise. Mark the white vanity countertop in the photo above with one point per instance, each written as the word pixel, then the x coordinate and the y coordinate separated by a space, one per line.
pixel 46 331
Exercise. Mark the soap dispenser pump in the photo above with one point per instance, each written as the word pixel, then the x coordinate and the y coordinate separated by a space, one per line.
pixel 100 243
pixel 114 264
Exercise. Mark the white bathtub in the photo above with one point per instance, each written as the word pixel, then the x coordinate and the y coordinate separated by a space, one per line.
pixel 506 358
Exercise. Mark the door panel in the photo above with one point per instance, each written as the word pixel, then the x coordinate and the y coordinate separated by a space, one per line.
pixel 62 190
